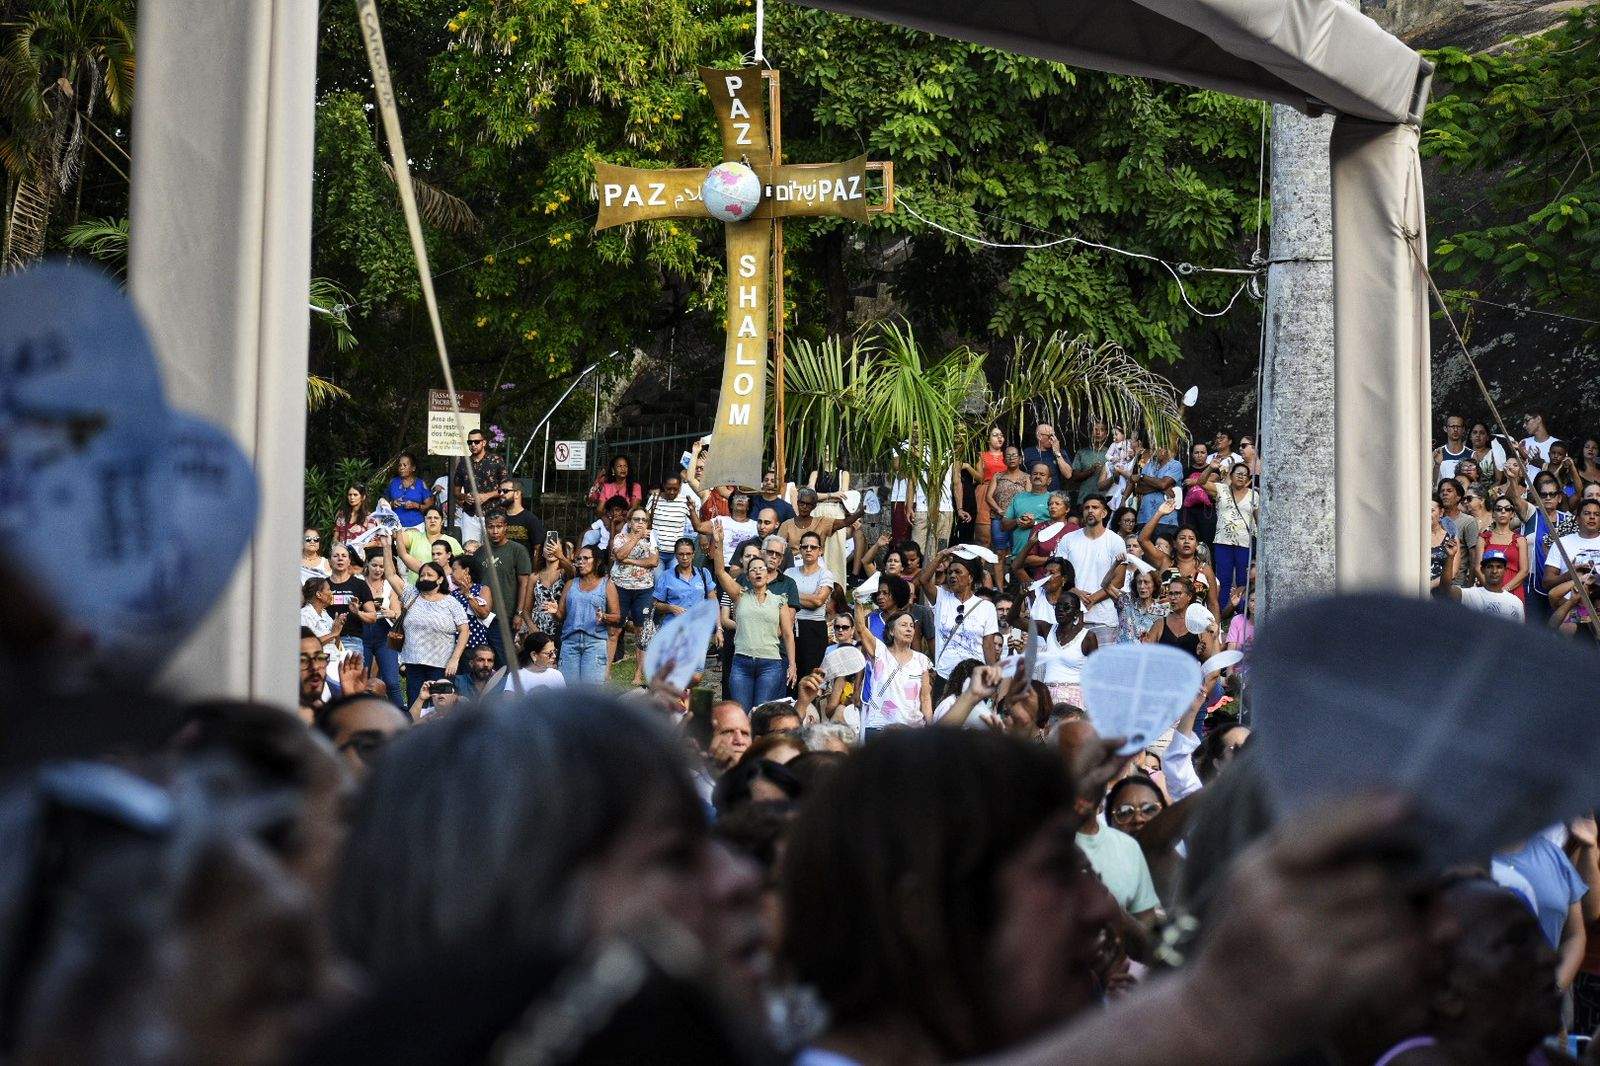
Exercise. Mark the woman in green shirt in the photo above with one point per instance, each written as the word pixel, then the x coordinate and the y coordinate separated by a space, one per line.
pixel 763 633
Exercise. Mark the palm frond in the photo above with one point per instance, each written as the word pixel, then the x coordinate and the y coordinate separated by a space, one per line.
pixel 320 392
pixel 1077 382
pixel 331 304
pixel 439 209
pixel 106 239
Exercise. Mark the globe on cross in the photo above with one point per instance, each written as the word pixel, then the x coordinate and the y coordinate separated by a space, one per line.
pixel 731 192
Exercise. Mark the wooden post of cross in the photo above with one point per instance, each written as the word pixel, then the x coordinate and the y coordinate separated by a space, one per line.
pixel 752 230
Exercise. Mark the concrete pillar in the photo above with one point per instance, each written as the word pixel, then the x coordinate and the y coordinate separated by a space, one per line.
pixel 1296 543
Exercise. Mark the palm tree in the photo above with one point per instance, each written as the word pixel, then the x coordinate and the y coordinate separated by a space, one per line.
pixel 61 59
pixel 885 397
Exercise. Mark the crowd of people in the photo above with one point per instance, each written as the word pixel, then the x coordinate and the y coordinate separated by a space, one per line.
pixel 1516 523
pixel 926 664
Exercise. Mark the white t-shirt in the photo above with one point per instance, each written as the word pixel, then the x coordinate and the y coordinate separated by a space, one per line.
pixel 808 585
pixel 980 717
pixel 1092 559
pixel 1580 549
pixel 1116 857
pixel 1503 604
pixel 1538 453
pixel 958 643
pixel 732 532
pixel 896 689
pixel 549 678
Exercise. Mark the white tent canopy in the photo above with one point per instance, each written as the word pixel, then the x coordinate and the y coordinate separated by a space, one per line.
pixel 1308 54
pixel 222 231
pixel 1313 55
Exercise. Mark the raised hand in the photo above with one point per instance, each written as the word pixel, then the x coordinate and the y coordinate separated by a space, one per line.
pixel 352 674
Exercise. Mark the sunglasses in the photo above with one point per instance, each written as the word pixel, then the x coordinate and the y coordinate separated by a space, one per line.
pixel 1127 810
pixel 1502 507
pixel 321 658
pixel 313 540
pixel 1549 495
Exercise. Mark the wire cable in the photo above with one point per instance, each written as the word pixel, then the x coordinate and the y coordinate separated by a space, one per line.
pixel 1177 272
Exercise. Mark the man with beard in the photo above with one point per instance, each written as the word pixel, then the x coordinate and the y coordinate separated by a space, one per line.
pixel 1099 560
pixel 480 668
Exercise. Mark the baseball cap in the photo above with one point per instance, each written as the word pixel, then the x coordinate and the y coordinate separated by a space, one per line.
pixel 1495 555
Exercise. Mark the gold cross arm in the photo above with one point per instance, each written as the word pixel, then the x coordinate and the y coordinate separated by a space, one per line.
pixel 840 190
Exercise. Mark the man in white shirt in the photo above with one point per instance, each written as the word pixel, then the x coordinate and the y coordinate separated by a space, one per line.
pixel 1099 560
pixel 1582 547
pixel 1536 445
pixel 1491 597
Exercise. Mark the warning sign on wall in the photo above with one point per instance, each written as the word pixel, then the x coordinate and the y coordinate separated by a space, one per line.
pixel 572 455
pixel 444 437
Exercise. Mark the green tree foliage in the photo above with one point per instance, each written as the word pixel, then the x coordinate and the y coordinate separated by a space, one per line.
pixel 1526 121
pixel 509 104
pixel 1016 150
pixel 65 67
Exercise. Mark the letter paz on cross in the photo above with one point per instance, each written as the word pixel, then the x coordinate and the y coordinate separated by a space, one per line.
pixel 839 190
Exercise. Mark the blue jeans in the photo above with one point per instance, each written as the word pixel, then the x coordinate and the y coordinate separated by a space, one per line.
pixel 633 603
pixel 583 658
pixel 418 675
pixel 753 681
pixel 999 539
pixel 1232 564
pixel 388 660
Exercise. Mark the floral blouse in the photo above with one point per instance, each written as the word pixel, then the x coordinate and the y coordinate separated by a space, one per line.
pixel 545 599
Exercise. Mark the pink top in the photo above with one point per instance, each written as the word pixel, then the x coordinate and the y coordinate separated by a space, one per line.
pixel 608 488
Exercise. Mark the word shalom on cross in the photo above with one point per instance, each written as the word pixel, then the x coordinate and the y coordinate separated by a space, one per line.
pixel 840 190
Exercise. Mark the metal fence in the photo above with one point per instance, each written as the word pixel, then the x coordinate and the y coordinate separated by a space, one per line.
pixel 652 454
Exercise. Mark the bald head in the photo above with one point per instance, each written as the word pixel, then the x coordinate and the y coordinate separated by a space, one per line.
pixel 730 733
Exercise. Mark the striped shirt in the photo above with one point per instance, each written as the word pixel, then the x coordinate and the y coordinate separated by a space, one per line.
pixel 669 520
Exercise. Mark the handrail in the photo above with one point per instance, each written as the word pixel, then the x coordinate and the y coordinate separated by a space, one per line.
pixel 551 413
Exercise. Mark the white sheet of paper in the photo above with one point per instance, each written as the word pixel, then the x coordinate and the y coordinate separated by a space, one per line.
pixel 1221 661
pixel 1138 690
pixel 843 662
pixel 1191 396
pixel 1139 564
pixel 1197 618
pixel 1011 666
pixel 1046 532
pixel 1490 748
pixel 682 642
pixel 871 504
pixel 383 515
pixel 867 589
pixel 975 551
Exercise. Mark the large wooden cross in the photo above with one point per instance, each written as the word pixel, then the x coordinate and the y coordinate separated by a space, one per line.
pixel 755 248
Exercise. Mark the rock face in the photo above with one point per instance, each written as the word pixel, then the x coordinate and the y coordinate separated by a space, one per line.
pixel 1470 24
